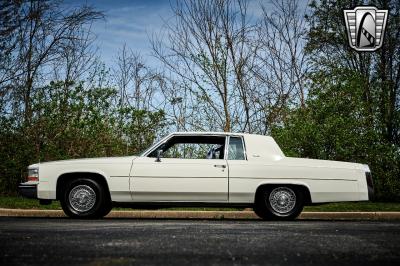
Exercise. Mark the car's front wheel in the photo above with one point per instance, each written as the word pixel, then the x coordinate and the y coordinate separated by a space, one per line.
pixel 279 202
pixel 85 198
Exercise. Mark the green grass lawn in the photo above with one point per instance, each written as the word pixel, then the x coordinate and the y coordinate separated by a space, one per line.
pixel 355 206
pixel 23 203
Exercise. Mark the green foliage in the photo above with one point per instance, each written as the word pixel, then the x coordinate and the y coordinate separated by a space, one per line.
pixel 337 124
pixel 352 111
pixel 70 121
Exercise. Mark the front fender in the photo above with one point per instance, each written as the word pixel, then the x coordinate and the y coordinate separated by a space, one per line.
pixel 48 180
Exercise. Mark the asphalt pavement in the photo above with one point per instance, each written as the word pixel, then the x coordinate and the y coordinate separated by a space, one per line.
pixel 63 241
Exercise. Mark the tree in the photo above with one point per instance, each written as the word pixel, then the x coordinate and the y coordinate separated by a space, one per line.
pixel 335 125
pixel 329 49
pixel 208 52
pixel 57 100
pixel 73 123
pixel 281 66
pixel 232 71
pixel 352 110
pixel 137 82
pixel 39 34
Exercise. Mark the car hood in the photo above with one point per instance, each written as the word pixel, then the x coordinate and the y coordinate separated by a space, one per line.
pixel 86 161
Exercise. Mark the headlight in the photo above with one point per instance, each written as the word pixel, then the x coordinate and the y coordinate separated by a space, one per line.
pixel 33 175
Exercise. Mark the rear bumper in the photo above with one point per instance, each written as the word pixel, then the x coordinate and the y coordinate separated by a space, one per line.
pixel 28 190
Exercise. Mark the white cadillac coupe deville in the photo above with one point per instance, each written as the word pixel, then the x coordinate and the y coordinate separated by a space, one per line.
pixel 199 169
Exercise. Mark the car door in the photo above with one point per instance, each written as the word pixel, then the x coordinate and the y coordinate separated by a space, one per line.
pixel 181 178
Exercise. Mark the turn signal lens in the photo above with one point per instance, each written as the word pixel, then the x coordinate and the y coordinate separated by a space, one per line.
pixel 32 178
pixel 33 175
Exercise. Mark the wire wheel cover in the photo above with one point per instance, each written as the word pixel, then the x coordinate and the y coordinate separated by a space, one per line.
pixel 282 200
pixel 82 198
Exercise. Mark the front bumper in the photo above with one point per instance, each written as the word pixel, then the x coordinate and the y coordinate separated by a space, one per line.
pixel 28 190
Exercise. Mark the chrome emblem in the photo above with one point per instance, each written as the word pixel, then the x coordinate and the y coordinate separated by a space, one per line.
pixel 365 27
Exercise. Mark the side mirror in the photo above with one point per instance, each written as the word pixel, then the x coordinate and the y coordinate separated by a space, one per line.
pixel 159 154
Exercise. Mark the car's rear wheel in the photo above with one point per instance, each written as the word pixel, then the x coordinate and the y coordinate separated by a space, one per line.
pixel 279 202
pixel 85 198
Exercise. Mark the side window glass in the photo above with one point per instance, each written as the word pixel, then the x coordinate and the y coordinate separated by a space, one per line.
pixel 189 151
pixel 236 151
pixel 192 147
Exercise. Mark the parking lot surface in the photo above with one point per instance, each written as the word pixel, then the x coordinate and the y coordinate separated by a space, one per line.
pixel 62 241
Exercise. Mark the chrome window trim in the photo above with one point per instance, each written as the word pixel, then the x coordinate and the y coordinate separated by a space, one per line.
pixel 227 139
pixel 156 145
pixel 244 148
pixel 168 137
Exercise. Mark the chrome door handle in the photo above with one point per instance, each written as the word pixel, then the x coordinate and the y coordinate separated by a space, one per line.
pixel 220 165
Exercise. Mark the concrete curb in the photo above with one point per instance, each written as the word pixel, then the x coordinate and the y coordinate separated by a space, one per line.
pixel 248 215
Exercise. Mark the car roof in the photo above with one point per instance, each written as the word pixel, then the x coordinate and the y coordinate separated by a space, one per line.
pixel 251 137
pixel 198 133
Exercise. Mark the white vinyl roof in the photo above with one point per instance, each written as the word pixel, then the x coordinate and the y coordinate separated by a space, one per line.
pixel 210 133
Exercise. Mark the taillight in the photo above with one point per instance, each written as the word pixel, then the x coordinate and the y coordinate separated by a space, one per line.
pixel 33 175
